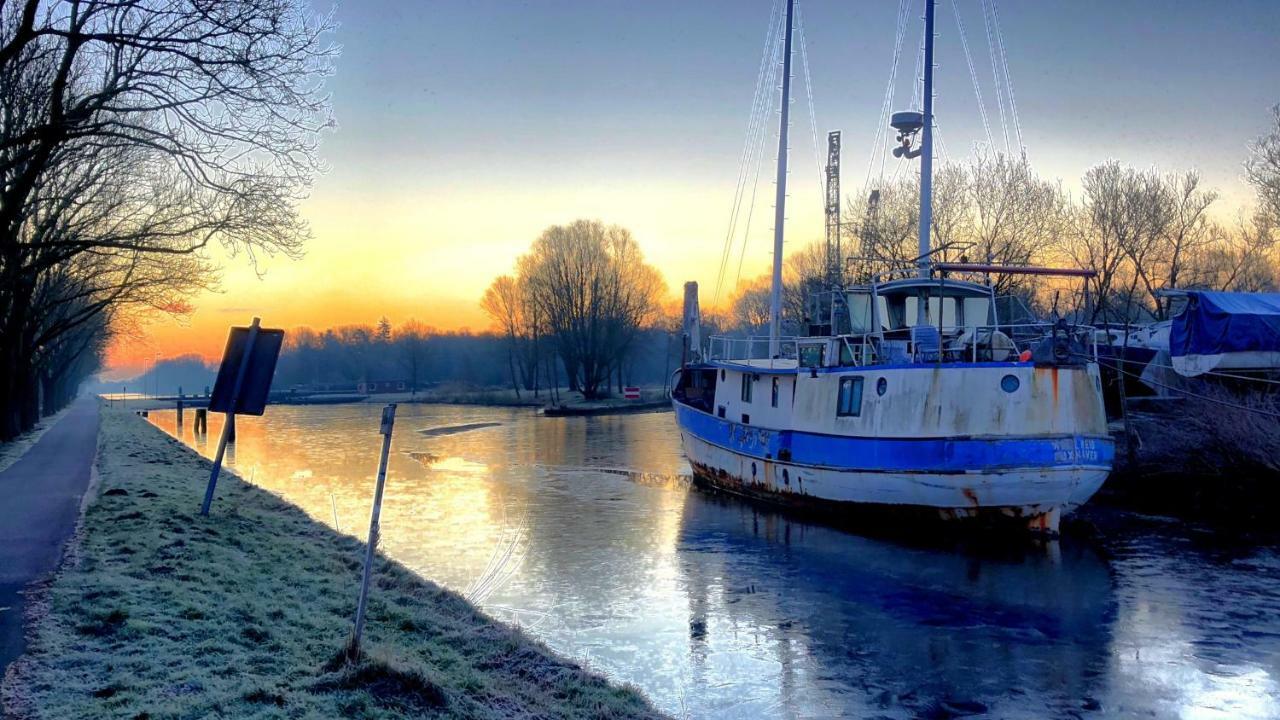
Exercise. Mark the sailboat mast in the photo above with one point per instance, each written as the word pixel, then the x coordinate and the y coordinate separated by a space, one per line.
pixel 926 145
pixel 780 204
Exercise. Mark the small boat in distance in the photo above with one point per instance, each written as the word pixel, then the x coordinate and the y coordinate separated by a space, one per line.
pixel 915 399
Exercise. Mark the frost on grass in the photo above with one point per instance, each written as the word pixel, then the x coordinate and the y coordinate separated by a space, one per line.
pixel 162 614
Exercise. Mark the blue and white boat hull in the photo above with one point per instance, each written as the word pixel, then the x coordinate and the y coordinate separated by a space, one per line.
pixel 1035 495
pixel 1022 457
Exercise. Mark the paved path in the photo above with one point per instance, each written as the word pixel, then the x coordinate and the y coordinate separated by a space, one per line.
pixel 39 504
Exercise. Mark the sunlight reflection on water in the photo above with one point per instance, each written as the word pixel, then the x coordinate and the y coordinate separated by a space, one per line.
pixel 586 532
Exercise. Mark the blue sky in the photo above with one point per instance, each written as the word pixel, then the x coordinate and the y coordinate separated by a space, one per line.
pixel 465 128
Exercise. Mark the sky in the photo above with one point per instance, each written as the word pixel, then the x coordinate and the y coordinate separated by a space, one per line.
pixel 466 128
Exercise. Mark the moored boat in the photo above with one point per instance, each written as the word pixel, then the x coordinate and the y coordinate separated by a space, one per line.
pixel 914 400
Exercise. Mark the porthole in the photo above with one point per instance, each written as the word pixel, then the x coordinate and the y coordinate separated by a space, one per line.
pixel 1009 383
pixel 881 386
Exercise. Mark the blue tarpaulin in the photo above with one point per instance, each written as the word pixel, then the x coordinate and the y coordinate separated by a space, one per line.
pixel 1214 323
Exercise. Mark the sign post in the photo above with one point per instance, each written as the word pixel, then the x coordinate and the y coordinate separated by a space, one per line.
pixel 244 381
pixel 388 422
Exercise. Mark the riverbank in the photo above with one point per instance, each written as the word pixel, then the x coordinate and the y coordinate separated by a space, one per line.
pixel 160 613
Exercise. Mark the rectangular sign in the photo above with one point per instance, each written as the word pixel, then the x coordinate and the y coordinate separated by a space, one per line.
pixel 256 385
pixel 631 393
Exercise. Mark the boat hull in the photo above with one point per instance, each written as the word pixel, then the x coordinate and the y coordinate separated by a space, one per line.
pixel 1026 481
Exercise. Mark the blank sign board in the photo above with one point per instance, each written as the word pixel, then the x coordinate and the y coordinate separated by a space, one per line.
pixel 257 377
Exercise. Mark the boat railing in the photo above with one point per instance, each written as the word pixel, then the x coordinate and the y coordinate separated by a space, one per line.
pixel 751 347
pixel 972 343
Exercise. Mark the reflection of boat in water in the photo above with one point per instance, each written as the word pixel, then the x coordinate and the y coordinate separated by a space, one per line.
pixel 875 626
pixel 911 396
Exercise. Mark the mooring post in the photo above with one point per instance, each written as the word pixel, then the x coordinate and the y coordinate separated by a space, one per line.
pixel 388 421
pixel 228 428
pixel 202 421
pixel 179 415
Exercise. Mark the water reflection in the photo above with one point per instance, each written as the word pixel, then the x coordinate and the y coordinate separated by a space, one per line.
pixel 586 532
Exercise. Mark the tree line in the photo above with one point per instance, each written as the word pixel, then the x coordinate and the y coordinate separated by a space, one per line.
pixel 1141 231
pixel 134 136
pixel 338 359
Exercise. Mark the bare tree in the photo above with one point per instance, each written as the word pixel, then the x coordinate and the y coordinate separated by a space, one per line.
pixel 1124 215
pixel 749 305
pixel 1017 216
pixel 591 286
pixel 1263 170
pixel 139 133
pixel 412 347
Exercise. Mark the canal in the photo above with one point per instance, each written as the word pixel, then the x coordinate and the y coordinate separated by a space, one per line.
pixel 586 532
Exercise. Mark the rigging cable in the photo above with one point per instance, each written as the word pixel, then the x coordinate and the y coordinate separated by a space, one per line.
pixel 882 122
pixel 808 87
pixel 1008 79
pixel 779 46
pixel 973 73
pixel 763 78
pixel 995 73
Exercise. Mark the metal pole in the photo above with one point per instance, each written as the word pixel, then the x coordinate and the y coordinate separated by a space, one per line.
pixel 388 422
pixel 780 203
pixel 926 158
pixel 228 427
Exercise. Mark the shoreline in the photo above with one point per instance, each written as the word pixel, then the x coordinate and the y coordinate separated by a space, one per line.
pixel 157 611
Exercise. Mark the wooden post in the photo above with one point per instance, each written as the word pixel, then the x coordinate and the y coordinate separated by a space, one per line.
pixel 388 421
pixel 202 421
pixel 229 427
pixel 179 415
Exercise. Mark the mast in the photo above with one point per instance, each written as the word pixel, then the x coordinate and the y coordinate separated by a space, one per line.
pixel 780 204
pixel 926 145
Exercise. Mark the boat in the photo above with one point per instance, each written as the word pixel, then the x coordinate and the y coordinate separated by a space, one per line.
pixel 911 401
pixel 1213 338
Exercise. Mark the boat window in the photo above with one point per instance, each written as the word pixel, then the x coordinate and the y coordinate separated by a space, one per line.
pixel 893 312
pixel 948 312
pixel 911 312
pixel 849 401
pixel 747 384
pixel 773 394
pixel 812 355
pixel 977 312
pixel 859 312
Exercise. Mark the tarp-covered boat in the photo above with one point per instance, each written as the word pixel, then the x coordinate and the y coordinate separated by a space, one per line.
pixel 1226 331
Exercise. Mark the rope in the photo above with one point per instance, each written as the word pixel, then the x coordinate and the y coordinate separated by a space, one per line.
pixel 973 73
pixel 1188 393
pixel 1216 373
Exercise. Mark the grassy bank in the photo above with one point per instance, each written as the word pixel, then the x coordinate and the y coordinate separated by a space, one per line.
pixel 159 613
